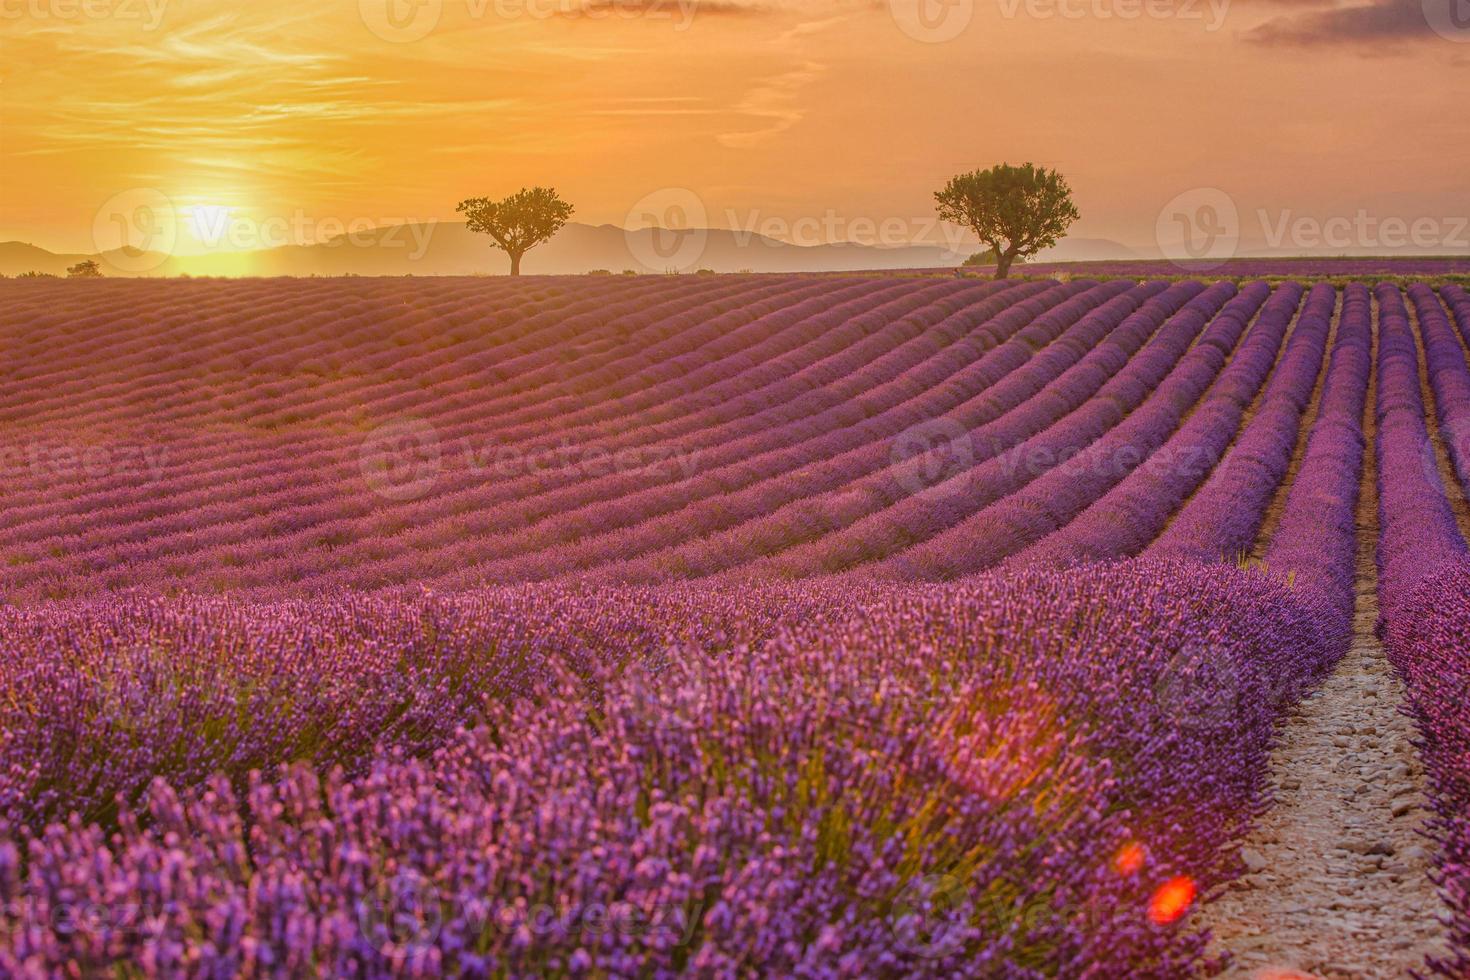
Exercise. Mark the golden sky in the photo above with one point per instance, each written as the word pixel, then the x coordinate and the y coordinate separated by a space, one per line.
pixel 304 115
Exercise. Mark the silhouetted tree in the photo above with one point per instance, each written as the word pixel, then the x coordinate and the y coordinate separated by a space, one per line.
pixel 519 222
pixel 1017 211
pixel 86 269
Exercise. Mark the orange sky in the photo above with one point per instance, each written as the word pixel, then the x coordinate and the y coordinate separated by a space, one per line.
pixel 298 117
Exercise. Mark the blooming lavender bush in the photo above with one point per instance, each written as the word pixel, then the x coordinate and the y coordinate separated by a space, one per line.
pixel 906 780
pixel 303 684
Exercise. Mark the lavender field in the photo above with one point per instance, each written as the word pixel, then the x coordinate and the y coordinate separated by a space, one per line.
pixel 721 626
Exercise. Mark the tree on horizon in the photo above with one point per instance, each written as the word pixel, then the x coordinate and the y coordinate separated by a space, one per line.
pixel 519 222
pixel 1016 211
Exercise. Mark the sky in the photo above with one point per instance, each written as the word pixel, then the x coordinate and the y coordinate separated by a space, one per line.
pixel 280 122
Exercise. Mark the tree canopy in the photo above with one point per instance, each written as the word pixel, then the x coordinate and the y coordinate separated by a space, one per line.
pixel 517 223
pixel 1017 211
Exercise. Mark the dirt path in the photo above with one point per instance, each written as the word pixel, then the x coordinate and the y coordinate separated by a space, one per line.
pixel 1338 883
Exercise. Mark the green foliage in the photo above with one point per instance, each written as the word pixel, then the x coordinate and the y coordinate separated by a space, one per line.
pixel 517 223
pixel 1016 211
pixel 989 257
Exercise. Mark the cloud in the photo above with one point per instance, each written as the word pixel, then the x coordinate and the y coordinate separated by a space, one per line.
pixel 683 9
pixel 1384 22
pixel 774 100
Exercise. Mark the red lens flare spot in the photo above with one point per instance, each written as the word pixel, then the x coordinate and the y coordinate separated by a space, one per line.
pixel 1129 858
pixel 1171 900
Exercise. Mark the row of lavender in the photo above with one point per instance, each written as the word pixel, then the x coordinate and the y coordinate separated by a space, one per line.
pixel 496 516
pixel 816 489
pixel 280 503
pixel 907 779
pixel 1365 267
pixel 821 779
pixel 1424 566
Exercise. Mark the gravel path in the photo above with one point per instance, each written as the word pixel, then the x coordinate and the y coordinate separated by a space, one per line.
pixel 1337 883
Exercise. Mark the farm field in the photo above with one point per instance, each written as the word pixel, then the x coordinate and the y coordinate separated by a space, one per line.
pixel 1428 266
pixel 721 625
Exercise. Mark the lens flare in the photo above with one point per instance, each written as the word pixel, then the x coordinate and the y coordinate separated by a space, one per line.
pixel 1129 858
pixel 1171 900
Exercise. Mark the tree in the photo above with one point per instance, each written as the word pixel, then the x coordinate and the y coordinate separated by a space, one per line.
pixel 86 269
pixel 1017 211
pixel 520 222
pixel 989 257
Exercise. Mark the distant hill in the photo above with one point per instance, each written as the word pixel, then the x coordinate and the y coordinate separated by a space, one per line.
pixel 449 248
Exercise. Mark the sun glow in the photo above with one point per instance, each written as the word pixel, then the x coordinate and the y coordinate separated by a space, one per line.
pixel 210 224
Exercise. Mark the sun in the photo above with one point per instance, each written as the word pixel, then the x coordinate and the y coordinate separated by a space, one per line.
pixel 210 224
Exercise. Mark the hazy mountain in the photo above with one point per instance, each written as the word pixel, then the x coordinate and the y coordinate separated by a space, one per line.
pixel 449 248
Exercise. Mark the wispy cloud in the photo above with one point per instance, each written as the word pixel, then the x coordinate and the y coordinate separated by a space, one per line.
pixel 1381 24
pixel 776 101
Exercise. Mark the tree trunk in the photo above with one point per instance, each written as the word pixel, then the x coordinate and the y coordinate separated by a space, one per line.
pixel 515 262
pixel 1003 262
